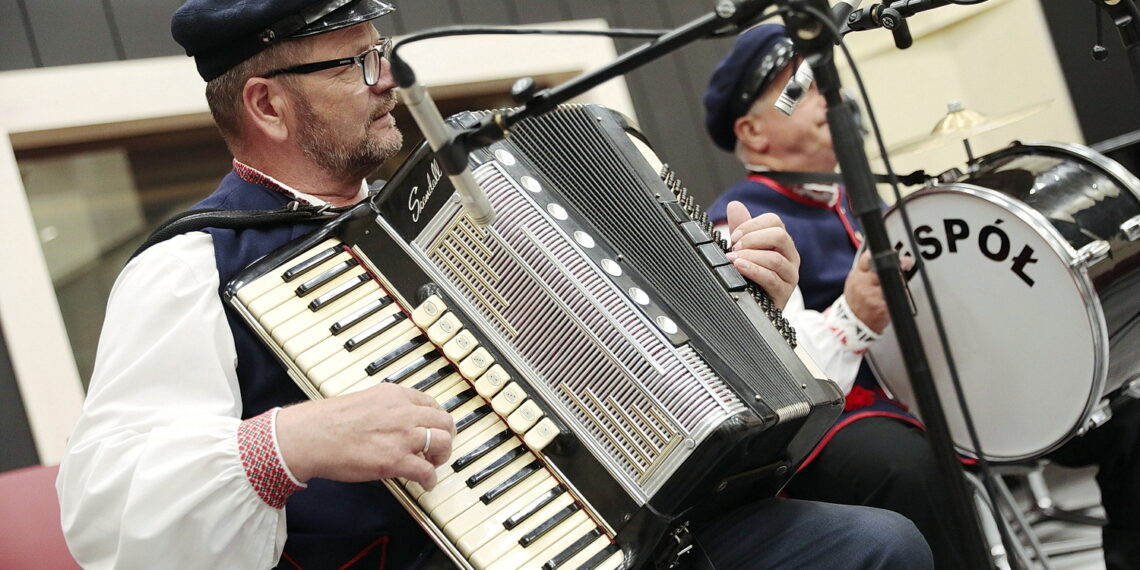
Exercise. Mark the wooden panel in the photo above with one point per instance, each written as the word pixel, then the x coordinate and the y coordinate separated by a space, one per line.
pixel 18 52
pixel 494 12
pixel 72 31
pixel 144 27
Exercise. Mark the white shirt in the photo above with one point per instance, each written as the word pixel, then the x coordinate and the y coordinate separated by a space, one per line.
pixel 152 476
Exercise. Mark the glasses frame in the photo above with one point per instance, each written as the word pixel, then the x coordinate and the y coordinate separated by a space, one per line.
pixel 382 48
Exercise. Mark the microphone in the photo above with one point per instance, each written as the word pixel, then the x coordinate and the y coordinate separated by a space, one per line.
pixel 452 156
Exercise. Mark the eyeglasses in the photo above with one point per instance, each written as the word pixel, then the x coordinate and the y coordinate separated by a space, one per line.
pixel 369 62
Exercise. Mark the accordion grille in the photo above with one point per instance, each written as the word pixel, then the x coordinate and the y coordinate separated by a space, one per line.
pixel 610 191
pixel 588 347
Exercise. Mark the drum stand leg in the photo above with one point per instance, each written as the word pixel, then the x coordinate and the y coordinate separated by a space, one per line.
pixel 1043 508
pixel 1004 510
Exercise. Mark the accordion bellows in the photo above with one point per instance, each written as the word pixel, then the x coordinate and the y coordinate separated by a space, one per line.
pixel 612 377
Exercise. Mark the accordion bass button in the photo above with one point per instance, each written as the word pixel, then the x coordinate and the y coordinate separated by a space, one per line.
pixel 492 381
pixel 476 364
pixel 444 329
pixel 428 311
pixel 539 436
pixel 524 417
pixel 508 399
pixel 459 347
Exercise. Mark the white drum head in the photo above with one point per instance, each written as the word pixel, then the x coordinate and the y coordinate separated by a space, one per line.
pixel 1030 356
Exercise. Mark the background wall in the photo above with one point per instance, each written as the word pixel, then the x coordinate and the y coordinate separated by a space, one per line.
pixel 102 77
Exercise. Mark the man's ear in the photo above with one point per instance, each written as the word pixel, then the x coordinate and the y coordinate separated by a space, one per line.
pixel 749 130
pixel 265 105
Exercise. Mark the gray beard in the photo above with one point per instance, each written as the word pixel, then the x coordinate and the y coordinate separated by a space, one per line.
pixel 337 153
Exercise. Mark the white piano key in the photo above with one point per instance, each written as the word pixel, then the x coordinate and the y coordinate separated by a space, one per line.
pixel 507 540
pixel 334 345
pixel 457 482
pixel 336 374
pixel 316 327
pixel 478 432
pixel 287 291
pixel 556 540
pixel 339 359
pixel 271 280
pixel 482 522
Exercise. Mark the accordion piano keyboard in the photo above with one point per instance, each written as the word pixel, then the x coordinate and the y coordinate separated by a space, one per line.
pixel 495 500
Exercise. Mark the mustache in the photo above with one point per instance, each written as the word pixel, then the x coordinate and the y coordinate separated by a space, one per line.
pixel 385 106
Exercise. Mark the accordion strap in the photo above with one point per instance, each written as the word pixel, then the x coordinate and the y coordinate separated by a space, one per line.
pixel 195 220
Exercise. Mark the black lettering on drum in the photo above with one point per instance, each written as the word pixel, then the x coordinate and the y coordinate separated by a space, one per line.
pixel 993 242
pixel 986 238
pixel 922 236
pixel 952 236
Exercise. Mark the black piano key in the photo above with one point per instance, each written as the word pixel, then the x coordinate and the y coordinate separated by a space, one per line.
pixel 379 364
pixel 329 274
pixel 483 449
pixel 355 318
pixel 373 331
pixel 299 269
pixel 597 559
pixel 338 292
pixel 548 524
pixel 495 466
pixel 458 400
pixel 543 500
pixel 434 378
pixel 413 367
pixel 513 480
pixel 475 415
pixel 573 549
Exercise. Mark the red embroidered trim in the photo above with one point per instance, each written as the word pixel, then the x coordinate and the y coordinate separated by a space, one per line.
pixel 262 462
pixel 254 176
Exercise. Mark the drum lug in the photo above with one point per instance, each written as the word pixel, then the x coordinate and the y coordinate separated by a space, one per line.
pixel 1099 416
pixel 1092 253
pixel 1131 228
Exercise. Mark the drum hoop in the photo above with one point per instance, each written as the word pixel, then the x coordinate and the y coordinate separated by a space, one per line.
pixel 1122 176
pixel 1068 255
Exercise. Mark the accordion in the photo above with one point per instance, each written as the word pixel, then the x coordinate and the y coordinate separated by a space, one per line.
pixel 610 374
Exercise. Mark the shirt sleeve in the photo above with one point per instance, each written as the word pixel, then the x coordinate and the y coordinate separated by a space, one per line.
pixel 153 475
pixel 835 338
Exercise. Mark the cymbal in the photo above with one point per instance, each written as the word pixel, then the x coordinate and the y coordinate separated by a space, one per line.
pixel 960 124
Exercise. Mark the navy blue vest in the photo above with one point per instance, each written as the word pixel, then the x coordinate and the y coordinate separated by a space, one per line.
pixel 329 523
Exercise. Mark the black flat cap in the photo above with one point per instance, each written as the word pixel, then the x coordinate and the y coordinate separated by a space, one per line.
pixel 220 34
pixel 757 57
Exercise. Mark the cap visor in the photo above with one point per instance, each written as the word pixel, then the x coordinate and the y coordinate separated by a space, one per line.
pixel 350 15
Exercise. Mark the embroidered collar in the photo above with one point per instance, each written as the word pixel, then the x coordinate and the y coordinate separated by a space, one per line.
pixel 824 194
pixel 255 176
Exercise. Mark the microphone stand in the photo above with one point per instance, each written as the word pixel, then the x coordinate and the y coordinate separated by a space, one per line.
pixel 807 33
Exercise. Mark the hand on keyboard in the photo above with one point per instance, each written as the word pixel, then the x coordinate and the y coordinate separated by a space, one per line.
pixel 376 433
pixel 763 251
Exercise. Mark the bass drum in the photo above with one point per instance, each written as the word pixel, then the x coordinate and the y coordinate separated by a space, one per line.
pixel 1033 258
